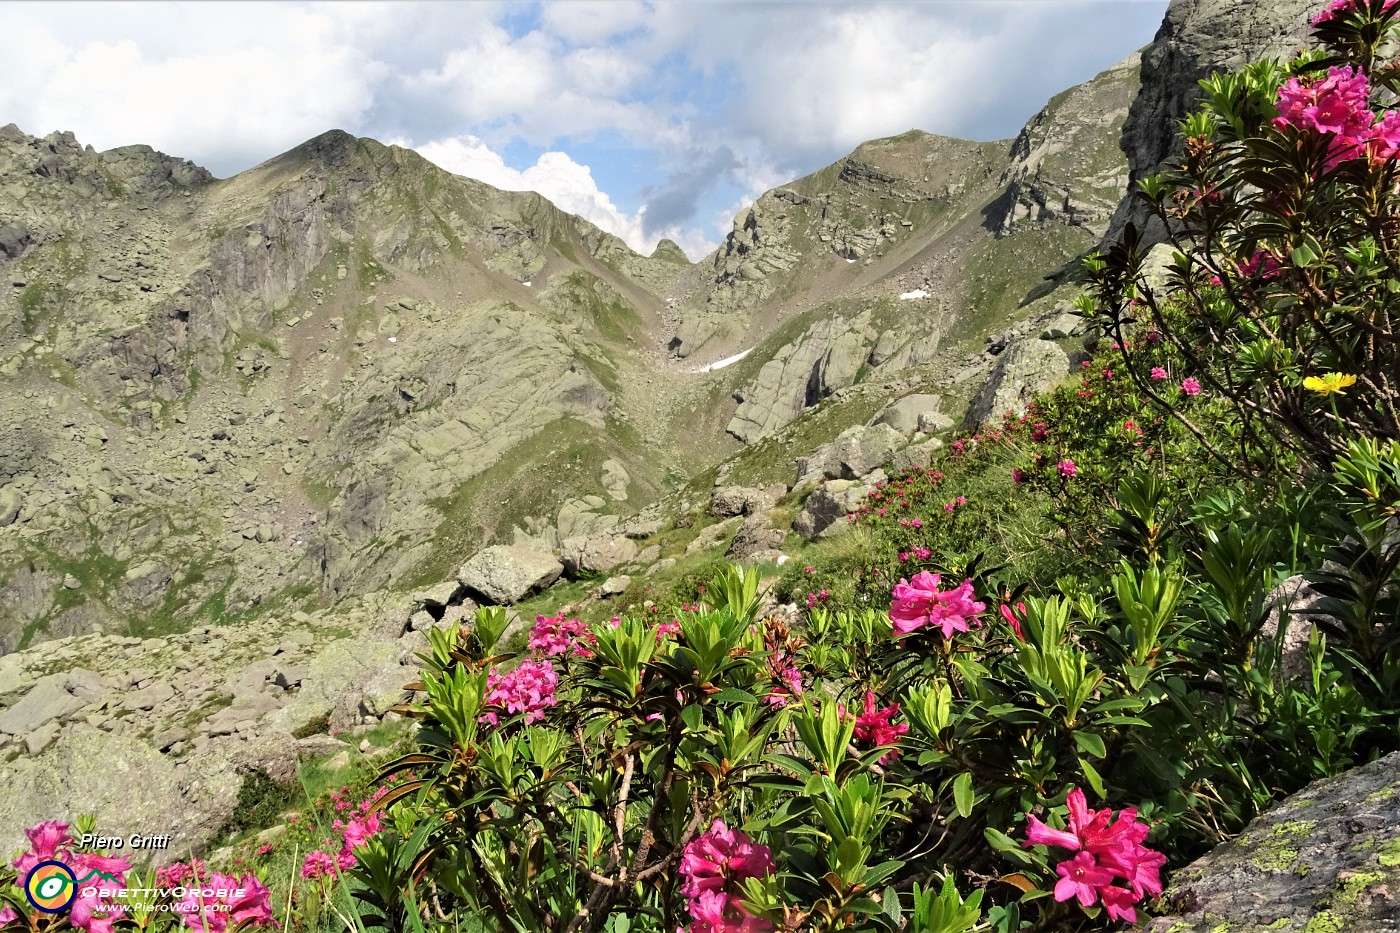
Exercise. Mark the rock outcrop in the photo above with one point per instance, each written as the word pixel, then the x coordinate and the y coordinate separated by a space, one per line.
pixel 1025 369
pixel 1196 38
pixel 1326 858
pixel 504 575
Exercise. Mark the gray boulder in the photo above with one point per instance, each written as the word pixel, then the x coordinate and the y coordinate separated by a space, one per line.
pixel 906 414
pixel 1065 324
pixel 756 535
pixel 46 701
pixel 1026 369
pixel 596 555
pixel 855 452
pixel 1324 859
pixel 916 456
pixel 731 501
pixel 504 575
pixel 824 512
pixel 1296 597
pixel 438 597
pixel 10 504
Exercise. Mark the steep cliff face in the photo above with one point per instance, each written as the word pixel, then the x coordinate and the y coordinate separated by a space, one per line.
pixel 217 393
pixel 1196 38
pixel 1066 164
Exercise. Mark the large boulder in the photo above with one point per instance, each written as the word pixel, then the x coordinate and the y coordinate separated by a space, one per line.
pixel 756 535
pixel 905 414
pixel 855 453
pixel 596 555
pixel 47 701
pixel 10 504
pixel 825 510
pixel 504 575
pixel 729 501
pixel 1324 859
pixel 1024 370
pixel 133 786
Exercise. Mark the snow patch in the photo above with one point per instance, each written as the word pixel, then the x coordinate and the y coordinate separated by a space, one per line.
pixel 724 362
pixel 910 296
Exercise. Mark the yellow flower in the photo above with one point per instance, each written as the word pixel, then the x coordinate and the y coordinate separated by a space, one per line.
pixel 1332 382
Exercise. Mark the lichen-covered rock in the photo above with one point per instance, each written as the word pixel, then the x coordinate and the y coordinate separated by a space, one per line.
pixel 1325 859
pixel 505 575
pixel 905 414
pixel 46 701
pixel 1024 370
pixel 826 508
pixel 596 555
pixel 856 452
pixel 756 535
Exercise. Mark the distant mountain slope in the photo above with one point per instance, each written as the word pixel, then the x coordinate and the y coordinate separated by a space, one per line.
pixel 346 368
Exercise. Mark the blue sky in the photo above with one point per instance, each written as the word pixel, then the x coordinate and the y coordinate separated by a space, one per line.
pixel 649 118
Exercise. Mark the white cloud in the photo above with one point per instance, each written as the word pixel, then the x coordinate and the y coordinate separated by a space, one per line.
pixel 589 21
pixel 569 185
pixel 230 99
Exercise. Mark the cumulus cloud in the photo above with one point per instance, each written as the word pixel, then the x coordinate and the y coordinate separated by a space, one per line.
pixel 224 100
pixel 568 184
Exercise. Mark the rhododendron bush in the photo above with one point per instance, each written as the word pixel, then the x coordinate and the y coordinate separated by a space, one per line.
pixel 958 730
pixel 1282 216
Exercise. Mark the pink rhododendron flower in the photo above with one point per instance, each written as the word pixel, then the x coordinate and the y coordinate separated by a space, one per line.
pixel 1261 264
pixel 1338 106
pixel 318 864
pixel 712 867
pixel 1158 373
pixel 1013 618
pixel 554 635
pixel 1191 386
pixel 1106 850
pixel 214 914
pixel 1067 468
pixel 528 689
pixel 8 915
pixel 873 727
pixel 918 602
pixel 787 682
pixel 1081 877
pixel 1018 476
pixel 1339 9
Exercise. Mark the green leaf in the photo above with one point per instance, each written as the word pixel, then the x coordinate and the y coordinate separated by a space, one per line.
pixel 693 716
pixel 1093 778
pixel 963 796
pixel 1303 256
pixel 1091 743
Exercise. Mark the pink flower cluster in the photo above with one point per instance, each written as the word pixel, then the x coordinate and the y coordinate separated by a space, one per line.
pixel 712 865
pixel 1105 851
pixel 50 841
pixel 552 635
pixel 353 833
pixel 1339 9
pixel 874 728
pixel 787 680
pixel 1339 106
pixel 528 689
pixel 215 914
pixel 919 602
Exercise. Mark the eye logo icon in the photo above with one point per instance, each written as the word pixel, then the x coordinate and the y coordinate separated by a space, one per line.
pixel 51 887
